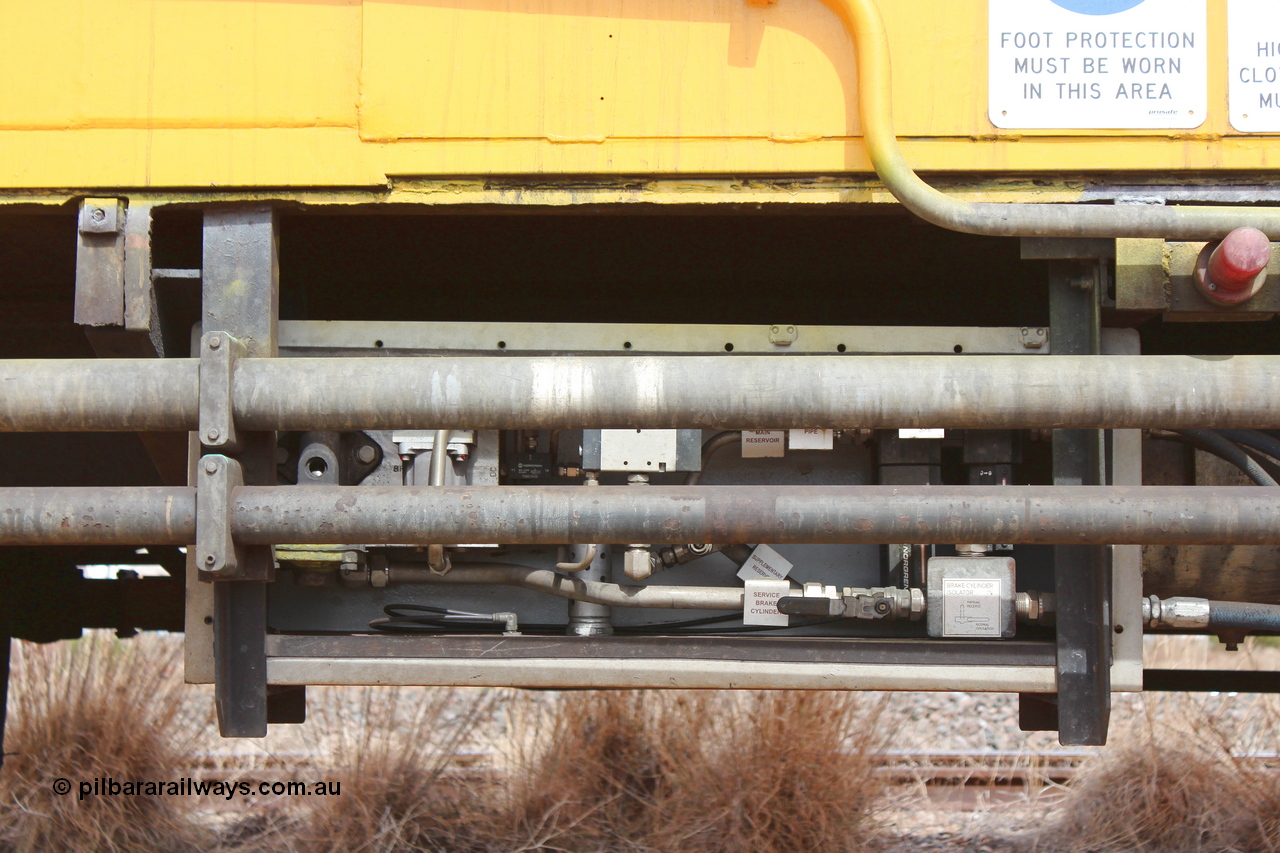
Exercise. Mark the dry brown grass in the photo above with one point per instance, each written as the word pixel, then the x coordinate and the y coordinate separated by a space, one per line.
pixel 394 753
pixel 1178 780
pixel 682 771
pixel 94 708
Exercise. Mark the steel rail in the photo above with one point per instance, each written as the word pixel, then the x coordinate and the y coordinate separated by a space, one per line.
pixel 713 392
pixel 416 515
pixel 875 107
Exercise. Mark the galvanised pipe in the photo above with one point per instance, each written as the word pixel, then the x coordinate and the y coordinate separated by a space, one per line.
pixel 875 106
pixel 575 588
pixel 549 515
pixel 715 392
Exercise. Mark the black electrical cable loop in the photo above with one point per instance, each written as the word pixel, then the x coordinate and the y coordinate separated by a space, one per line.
pixel 1210 442
pixel 433 619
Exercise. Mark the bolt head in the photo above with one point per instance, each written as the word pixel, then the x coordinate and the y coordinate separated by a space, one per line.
pixel 212 434
pixel 211 467
pixel 215 342
pixel 98 214
pixel 366 454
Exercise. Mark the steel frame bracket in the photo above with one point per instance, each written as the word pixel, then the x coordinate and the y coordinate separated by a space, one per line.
pixel 218 354
pixel 217 554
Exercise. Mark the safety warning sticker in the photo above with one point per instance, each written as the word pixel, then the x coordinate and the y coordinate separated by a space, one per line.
pixel 1253 53
pixel 1097 64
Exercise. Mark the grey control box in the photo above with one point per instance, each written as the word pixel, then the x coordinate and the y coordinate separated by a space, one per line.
pixel 642 450
pixel 971 597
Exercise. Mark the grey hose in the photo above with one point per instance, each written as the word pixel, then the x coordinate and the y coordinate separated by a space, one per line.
pixel 713 444
pixel 1255 439
pixel 1210 442
pixel 1244 615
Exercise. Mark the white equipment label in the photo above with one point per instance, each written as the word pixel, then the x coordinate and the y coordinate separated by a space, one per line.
pixel 758 443
pixel 765 562
pixel 1097 64
pixel 812 439
pixel 970 608
pixel 760 602
pixel 1253 54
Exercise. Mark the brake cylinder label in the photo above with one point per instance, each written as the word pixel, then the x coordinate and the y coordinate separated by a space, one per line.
pixel 1097 64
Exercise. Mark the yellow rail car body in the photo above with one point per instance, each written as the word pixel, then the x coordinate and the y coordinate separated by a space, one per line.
pixel 407 94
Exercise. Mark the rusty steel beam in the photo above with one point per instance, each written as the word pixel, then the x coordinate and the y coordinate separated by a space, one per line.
pixel 753 392
pixel 423 515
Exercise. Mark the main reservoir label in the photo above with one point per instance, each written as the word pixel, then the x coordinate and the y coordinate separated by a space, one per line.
pixel 1253 53
pixel 1098 64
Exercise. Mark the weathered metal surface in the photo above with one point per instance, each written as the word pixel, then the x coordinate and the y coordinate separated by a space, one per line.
pixel 556 672
pixel 135 515
pixel 777 514
pixel 316 337
pixel 754 392
pixel 99 395
pixel 100 263
pixel 240 286
pixel 657 514
pixel 758 392
pixel 762 649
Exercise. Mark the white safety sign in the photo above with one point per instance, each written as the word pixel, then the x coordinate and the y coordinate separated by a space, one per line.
pixel 1097 64
pixel 1253 57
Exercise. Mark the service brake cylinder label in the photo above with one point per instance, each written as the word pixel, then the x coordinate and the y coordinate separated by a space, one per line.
pixel 1097 64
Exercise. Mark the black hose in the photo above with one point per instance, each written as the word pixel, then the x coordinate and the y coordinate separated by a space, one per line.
pixel 1268 444
pixel 709 448
pixel 1210 442
pixel 1244 615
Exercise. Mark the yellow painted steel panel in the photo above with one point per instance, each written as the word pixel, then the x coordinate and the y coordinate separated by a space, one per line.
pixel 102 94
pixel 598 69
pixel 179 63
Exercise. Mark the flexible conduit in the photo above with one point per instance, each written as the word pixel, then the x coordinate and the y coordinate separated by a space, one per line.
pixel 863 21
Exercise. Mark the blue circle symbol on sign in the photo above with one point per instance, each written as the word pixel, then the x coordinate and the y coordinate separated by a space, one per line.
pixel 1097 7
